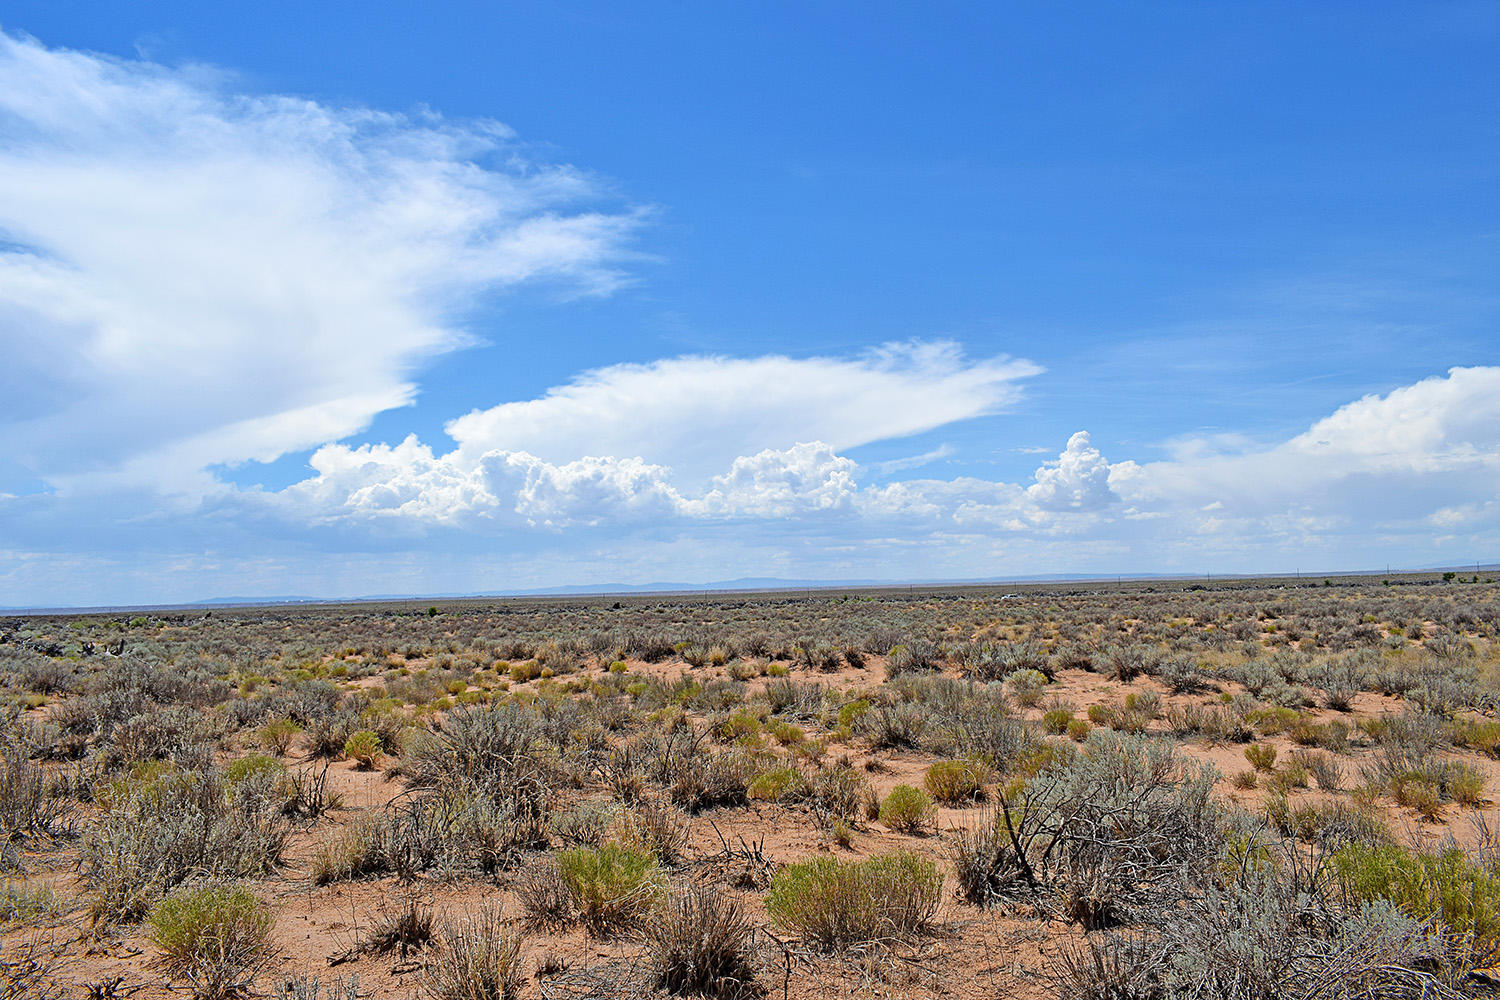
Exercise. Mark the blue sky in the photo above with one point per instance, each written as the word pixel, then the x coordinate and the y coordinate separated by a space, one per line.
pixel 866 291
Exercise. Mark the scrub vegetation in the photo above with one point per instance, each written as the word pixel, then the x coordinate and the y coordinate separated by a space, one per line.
pixel 1165 789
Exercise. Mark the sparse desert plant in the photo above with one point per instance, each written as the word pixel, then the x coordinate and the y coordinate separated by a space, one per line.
pixel 951 781
pixel 544 895
pixel 1057 721
pixel 479 958
pixel 26 809
pixel 160 826
pixel 23 903
pixel 778 784
pixel 698 942
pixel 1026 686
pixel 305 986
pixel 610 886
pixel 277 734
pixel 1262 756
pixel 653 826
pixel 1445 886
pixel 218 937
pixel 405 929
pixel 348 851
pixel 834 904
pixel 907 810
pixel 364 748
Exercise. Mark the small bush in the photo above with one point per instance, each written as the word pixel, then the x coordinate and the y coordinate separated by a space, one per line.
pixel 655 827
pixel 22 903
pixel 951 781
pixel 1057 721
pixel 611 885
pixel 544 895
pixel 779 784
pixel 406 930
pixel 698 942
pixel 1446 886
pixel 907 810
pixel 1026 686
pixel 363 748
pixel 834 904
pixel 480 959
pixel 216 936
pixel 348 852
pixel 1262 756
pixel 277 734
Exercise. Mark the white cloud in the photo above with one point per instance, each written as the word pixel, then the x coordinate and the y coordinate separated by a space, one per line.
pixel 587 491
pixel 807 478
pixel 191 275
pixel 942 451
pixel 1078 480
pixel 1329 482
pixel 1442 433
pixel 698 414
pixel 692 437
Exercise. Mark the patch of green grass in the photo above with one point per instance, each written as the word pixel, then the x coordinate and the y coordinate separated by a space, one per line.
pixel 835 904
pixel 610 885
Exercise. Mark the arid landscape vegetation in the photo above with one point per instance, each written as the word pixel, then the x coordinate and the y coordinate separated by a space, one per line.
pixel 1152 789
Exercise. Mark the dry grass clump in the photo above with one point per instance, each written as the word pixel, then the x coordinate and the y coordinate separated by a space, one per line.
pixel 834 904
pixel 160 826
pixel 1102 833
pixel 479 958
pixel 405 929
pixel 1277 930
pixel 699 943
pixel 26 809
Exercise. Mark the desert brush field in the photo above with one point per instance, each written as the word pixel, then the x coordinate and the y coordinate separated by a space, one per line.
pixel 1152 789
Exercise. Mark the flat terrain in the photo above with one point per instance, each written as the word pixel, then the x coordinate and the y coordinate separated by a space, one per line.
pixel 1069 785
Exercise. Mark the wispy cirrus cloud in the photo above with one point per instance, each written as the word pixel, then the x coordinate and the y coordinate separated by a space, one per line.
pixel 193 275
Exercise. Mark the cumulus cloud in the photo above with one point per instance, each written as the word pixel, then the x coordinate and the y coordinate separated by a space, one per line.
pixel 696 437
pixel 807 478
pixel 1078 480
pixel 191 275
pixel 698 414
pixel 1421 457
pixel 1396 451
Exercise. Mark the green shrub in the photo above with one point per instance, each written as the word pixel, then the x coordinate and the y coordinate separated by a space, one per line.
pixel 906 809
pixel 952 781
pixel 1057 721
pixel 1027 686
pixel 1446 886
pixel 835 904
pixel 217 936
pixel 779 784
pixel 1262 756
pixel 364 748
pixel 277 734
pixel 610 885
pixel 251 766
